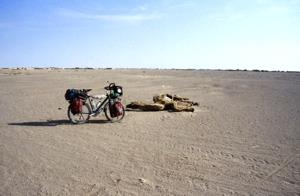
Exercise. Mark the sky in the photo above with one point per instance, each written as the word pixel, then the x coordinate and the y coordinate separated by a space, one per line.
pixel 199 34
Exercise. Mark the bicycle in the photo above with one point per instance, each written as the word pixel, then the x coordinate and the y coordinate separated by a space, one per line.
pixel 91 106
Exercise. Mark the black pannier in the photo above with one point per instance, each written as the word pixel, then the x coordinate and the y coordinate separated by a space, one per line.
pixel 71 94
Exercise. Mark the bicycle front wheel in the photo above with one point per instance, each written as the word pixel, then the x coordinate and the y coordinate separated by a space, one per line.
pixel 81 117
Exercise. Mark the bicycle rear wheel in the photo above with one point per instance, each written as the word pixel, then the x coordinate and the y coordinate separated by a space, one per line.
pixel 81 117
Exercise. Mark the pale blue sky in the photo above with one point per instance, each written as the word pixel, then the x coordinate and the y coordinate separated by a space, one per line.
pixel 215 34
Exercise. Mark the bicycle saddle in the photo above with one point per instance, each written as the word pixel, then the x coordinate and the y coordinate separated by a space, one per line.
pixel 86 90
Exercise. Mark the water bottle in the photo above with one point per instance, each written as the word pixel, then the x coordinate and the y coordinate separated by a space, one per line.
pixel 93 104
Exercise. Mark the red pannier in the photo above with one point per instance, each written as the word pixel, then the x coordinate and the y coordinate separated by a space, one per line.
pixel 116 109
pixel 76 106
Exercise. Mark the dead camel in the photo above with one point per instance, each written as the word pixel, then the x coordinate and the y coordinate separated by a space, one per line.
pixel 165 102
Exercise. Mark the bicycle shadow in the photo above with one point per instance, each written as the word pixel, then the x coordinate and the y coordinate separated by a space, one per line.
pixel 53 123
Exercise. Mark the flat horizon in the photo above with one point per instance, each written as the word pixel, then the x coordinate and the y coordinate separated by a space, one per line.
pixel 136 68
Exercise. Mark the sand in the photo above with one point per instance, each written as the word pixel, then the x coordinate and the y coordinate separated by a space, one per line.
pixel 243 139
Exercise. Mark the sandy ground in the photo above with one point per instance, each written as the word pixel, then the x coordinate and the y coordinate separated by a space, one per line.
pixel 243 139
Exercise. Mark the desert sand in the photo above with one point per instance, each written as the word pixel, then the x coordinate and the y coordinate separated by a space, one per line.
pixel 243 139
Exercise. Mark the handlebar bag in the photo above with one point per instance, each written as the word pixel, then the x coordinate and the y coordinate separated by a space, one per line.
pixel 117 91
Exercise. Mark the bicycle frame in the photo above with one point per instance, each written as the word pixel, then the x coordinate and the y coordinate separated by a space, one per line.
pixel 99 109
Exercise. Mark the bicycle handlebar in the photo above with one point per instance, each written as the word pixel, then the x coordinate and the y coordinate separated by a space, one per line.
pixel 110 86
